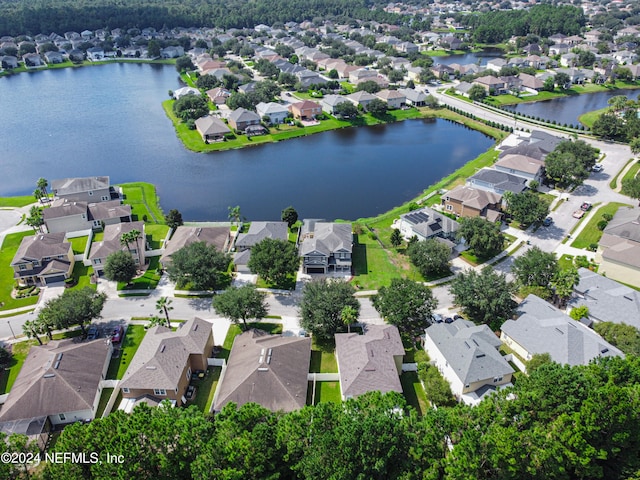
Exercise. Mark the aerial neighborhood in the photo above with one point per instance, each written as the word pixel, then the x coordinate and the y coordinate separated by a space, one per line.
pixel 496 309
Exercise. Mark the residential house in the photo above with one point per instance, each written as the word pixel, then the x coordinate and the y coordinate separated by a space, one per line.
pixel 558 49
pixel 86 189
pixel 257 232
pixel 493 85
pixel 59 383
pixel 218 95
pixel 275 112
pixel 111 243
pixel 66 216
pixel 369 362
pixel 393 98
pixel 496 64
pixel 469 202
pixel 532 49
pixel 451 42
pixel 305 110
pixel 606 299
pixel 219 237
pixel 181 92
pixel 531 83
pixel 619 248
pixel 362 74
pixel 526 149
pixel 173 51
pixel 379 80
pixel 165 361
pixel 330 102
pixel 32 60
pixel 544 141
pixel 413 97
pixel 8 62
pixel 76 55
pixel 521 166
pixel 467 356
pixel 53 57
pixel 325 247
pixel 44 258
pixel 442 71
pixel 542 328
pixel 463 88
pixel 569 59
pixel 406 47
pixel 240 119
pixel 211 129
pixel 95 53
pixel 360 98
pixel 497 181
pixel 576 75
pixel 427 223
pixel 270 370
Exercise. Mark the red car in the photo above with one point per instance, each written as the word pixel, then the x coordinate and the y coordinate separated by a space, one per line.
pixel 118 333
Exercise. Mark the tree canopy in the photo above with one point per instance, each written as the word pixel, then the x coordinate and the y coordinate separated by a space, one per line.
pixel 571 162
pixel 527 207
pixel 173 219
pixel 274 260
pixel 120 267
pixel 289 215
pixel 322 304
pixel 535 268
pixel 241 303
pixel 190 107
pixel 73 307
pixel 482 236
pixel 406 304
pixel 200 265
pixel 430 256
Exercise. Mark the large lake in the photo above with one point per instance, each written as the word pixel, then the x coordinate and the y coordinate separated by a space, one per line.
pixel 108 120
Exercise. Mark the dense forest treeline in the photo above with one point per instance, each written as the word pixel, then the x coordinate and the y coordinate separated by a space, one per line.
pixel 540 20
pixel 559 423
pixel 46 16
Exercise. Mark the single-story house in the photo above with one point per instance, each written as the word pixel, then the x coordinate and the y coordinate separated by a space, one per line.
pixel 413 97
pixel 242 118
pixel 258 231
pixel 427 223
pixel 542 328
pixel 173 51
pixel 211 129
pixel 465 201
pixel 275 112
pixel 362 74
pixel 329 103
pixel 531 83
pixel 43 258
pixel 111 244
pixel 54 57
pixel 360 98
pixel 325 247
pixel 59 383
pixel 218 95
pixel 181 92
pixel 393 98
pixel 463 88
pixel 219 237
pixel 85 189
pixel 467 356
pixel 305 110
pixel 32 60
pixel 369 362
pixel 619 248
pixel 8 62
pixel 165 360
pixel 521 166
pixel 606 299
pixel 497 181
pixel 270 370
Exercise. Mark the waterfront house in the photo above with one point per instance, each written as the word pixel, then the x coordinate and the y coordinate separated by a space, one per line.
pixel 497 181
pixel 218 237
pixel 413 97
pixel 111 243
pixel 275 112
pixel 427 223
pixel 241 118
pixel 257 232
pixel 531 83
pixel 325 247
pixel 162 367
pixel 44 258
pixel 521 166
pixel 95 53
pixel 464 201
pixel 393 98
pixel 305 110
pixel 68 216
pixel 53 57
pixel 83 189
pixel 32 60
pixel 360 98
pixel 8 62
pixel 329 103
pixel 493 85
pixel 211 129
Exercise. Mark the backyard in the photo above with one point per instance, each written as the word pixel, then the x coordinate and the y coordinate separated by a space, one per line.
pixel 413 392
pixel 144 201
pixel 78 244
pixel 206 389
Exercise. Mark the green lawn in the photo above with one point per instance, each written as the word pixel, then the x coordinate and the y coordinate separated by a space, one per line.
pixel 7 252
pixel 78 244
pixel 104 399
pixel 98 236
pixel 632 173
pixel 235 330
pixel 288 284
pixel 587 119
pixel 328 392
pixel 614 183
pixel 148 281
pixel 82 276
pixel 128 348
pixel 413 392
pixel 16 202
pixel 156 234
pixel 565 262
pixel 206 388
pixel 144 200
pixel 590 233
pixel 323 357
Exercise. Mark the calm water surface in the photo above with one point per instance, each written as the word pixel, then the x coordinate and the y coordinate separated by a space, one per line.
pixel 108 120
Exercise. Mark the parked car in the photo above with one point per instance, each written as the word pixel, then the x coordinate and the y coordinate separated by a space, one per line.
pixel 436 318
pixel 578 213
pixel 93 332
pixel 597 167
pixel 118 333
pixel 458 317
pixel 448 320
pixel 586 206
pixel 547 221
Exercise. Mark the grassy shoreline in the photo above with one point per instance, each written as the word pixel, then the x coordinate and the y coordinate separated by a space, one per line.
pixel 85 63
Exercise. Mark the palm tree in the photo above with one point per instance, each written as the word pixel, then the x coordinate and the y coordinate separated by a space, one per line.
pixel 164 305
pixel 31 330
pixel 130 237
pixel 234 214
pixel 349 316
pixel 155 320
pixel 42 185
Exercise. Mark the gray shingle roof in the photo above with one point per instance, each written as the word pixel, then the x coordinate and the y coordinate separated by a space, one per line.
pixel 500 180
pixel 68 186
pixel 542 328
pixel 366 362
pixel 163 354
pixel 211 126
pixel 525 149
pixel 325 237
pixel 42 245
pixel 471 350
pixel 42 389
pixel 111 240
pixel 428 222
pixel 607 300
pixel 270 370
pixel 625 224
pixel 258 231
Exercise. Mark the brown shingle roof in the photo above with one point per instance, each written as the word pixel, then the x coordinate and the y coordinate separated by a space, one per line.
pixel 473 197
pixel 183 236
pixel 42 245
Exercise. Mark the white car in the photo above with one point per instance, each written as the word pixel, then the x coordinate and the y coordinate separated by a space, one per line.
pixel 597 167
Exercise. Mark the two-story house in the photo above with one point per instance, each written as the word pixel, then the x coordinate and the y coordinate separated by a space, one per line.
pixel 258 231
pixel 112 243
pixel 44 258
pixel 241 118
pixel 275 112
pixel 427 223
pixel 306 110
pixel 496 181
pixel 325 247
pixel 165 361
pixel 87 189
pixel 66 216
pixel 467 202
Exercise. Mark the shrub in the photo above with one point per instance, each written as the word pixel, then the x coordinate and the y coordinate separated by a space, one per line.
pixel 602 224
pixel 581 261
pixel 607 216
pixel 593 247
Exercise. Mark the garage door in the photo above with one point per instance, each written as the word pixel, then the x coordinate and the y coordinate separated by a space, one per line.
pixel 55 279
pixel 315 270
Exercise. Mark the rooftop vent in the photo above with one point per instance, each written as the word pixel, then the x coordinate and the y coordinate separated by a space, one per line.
pixel 559 331
pixel 150 367
pixel 55 367
pixel 263 369
pixel 49 375
pixel 162 348
pixel 467 345
pixel 604 350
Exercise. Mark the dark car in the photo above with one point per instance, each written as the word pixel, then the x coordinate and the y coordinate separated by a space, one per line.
pixel 547 221
pixel 586 206
pixel 448 320
pixel 118 333
pixel 93 333
pixel 458 317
